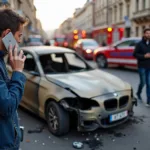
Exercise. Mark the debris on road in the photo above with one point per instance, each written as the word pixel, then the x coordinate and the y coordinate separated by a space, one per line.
pixel 78 145
pixel 65 138
pixel 94 143
pixel 28 141
pixel 37 130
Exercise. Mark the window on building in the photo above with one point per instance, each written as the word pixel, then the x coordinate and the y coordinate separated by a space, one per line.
pixel 137 31
pixel 111 15
pixel 144 4
pixel 115 10
pixel 128 10
pixel 19 4
pixel 121 11
pixel 143 28
pixel 137 5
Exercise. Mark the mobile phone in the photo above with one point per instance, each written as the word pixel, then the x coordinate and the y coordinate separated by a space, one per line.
pixel 9 39
pixel 22 133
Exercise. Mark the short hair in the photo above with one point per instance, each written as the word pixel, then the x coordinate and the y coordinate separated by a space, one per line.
pixel 9 19
pixel 145 30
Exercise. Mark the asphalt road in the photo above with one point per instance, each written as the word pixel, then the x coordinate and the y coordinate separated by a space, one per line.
pixel 133 135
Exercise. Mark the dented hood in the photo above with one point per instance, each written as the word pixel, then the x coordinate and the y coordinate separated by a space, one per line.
pixel 90 83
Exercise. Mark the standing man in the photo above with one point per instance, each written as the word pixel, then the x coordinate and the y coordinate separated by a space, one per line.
pixel 142 53
pixel 11 90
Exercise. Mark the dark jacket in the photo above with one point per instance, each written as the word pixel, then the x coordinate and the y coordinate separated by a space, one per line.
pixel 140 50
pixel 11 91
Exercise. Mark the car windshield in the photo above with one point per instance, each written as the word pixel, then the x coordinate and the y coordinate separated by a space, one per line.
pixel 60 39
pixel 57 63
pixel 90 43
pixel 35 40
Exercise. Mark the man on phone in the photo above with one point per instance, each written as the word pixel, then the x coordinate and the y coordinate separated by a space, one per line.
pixel 11 90
pixel 142 53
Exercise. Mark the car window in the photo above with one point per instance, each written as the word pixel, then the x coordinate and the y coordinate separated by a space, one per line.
pixel 133 43
pixel 90 43
pixel 57 63
pixel 56 59
pixel 125 43
pixel 74 61
pixel 30 64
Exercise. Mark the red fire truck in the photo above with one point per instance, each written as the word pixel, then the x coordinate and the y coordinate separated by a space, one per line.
pixel 109 35
pixel 74 36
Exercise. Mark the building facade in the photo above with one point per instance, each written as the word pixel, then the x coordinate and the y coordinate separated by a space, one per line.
pixel 83 18
pixel 111 20
pixel 141 16
pixel 27 9
pixel 66 27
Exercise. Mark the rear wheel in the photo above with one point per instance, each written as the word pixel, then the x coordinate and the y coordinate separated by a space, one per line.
pixel 57 119
pixel 101 61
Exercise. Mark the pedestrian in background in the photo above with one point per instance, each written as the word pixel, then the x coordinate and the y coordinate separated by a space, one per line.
pixel 47 43
pixel 142 53
pixel 11 90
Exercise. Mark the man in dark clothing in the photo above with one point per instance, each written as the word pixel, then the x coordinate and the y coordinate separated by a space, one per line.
pixel 142 53
pixel 11 90
pixel 47 43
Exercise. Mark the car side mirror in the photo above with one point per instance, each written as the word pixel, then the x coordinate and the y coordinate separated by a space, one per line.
pixel 115 47
pixel 34 73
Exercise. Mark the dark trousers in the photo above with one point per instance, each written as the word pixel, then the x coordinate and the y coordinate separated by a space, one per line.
pixel 144 79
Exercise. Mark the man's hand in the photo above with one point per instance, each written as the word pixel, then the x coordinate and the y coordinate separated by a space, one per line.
pixel 16 61
pixel 147 55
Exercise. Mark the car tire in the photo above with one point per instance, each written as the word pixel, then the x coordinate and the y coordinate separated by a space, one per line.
pixel 101 61
pixel 58 119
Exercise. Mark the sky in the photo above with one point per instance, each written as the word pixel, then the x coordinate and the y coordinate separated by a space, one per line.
pixel 53 12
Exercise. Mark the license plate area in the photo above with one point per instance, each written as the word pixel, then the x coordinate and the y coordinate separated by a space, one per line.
pixel 118 116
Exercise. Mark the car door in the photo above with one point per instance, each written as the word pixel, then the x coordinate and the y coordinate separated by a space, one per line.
pixel 119 52
pixel 31 71
pixel 125 50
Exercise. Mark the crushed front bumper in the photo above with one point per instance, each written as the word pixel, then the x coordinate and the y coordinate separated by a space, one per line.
pixel 97 117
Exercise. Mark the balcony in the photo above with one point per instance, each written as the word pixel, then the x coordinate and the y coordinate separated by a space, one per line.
pixel 141 16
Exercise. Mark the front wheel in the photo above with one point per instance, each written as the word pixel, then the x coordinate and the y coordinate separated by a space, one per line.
pixel 57 119
pixel 101 61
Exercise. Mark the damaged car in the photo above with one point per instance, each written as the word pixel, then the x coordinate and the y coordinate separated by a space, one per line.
pixel 61 86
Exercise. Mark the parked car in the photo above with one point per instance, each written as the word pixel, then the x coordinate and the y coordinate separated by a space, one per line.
pixel 120 53
pixel 34 40
pixel 61 41
pixel 86 47
pixel 61 87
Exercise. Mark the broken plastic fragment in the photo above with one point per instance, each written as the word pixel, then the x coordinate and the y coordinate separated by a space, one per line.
pixel 28 141
pixel 78 145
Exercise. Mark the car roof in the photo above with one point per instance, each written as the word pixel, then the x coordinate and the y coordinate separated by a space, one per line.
pixel 40 50
pixel 132 38
pixel 87 40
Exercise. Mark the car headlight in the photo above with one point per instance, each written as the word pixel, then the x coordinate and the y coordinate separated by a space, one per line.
pixel 88 51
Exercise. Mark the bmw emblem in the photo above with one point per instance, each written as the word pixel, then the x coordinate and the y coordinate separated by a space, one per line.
pixel 115 94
